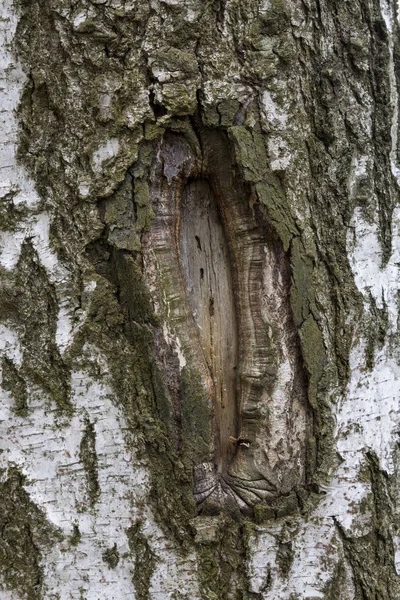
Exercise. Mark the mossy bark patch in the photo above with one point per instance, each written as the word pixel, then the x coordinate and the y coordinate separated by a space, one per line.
pixel 302 296
pixel 196 417
pixel 88 457
pixel 111 556
pixel 24 535
pixel 13 382
pixel 221 547
pixel 314 356
pixel 125 332
pixel 272 197
pixel 144 561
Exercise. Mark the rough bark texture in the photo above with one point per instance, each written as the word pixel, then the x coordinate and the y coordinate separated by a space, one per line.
pixel 199 297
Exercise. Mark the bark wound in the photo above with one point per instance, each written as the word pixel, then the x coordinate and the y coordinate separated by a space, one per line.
pixel 220 278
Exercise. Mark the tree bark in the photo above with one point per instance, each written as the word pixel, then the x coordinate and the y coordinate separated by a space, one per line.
pixel 199 300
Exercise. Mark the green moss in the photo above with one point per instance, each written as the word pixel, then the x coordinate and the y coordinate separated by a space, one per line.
pixel 145 213
pixel 134 294
pixel 262 513
pixel 196 417
pixel 153 131
pixel 333 589
pixel 302 296
pixel 140 172
pixel 180 98
pixel 228 111
pixel 14 383
pixel 118 213
pixel 76 535
pixel 145 561
pixel 376 328
pixel 311 454
pixel 140 168
pixel 277 17
pixel 175 60
pixel 276 508
pixel 313 349
pixel 272 197
pixel 112 172
pixel 284 558
pixel 25 534
pixel 111 557
pixel 88 457
pixel 210 115
pixel 263 65
pixel 218 561
pixel 250 153
pixel 222 559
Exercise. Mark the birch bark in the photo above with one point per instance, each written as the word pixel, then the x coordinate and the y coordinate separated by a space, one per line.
pixel 113 482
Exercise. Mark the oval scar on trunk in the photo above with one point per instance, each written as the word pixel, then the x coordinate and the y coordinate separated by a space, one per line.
pixel 220 280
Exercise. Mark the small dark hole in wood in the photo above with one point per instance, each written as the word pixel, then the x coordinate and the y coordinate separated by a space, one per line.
pixel 201 273
pixel 198 242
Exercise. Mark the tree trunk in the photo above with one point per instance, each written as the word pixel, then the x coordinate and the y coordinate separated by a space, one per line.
pixel 199 266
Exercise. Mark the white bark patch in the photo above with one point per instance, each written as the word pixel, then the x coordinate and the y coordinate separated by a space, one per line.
pixel 280 155
pixel 81 18
pixel 315 551
pixel 173 573
pixel 47 452
pixel 271 112
pixel 359 169
pixel 396 543
pixel 8 595
pixel 174 342
pixel 84 189
pixel 105 154
pixel 9 345
pixel 366 259
pixel 275 120
pixel 10 248
pixel 372 407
